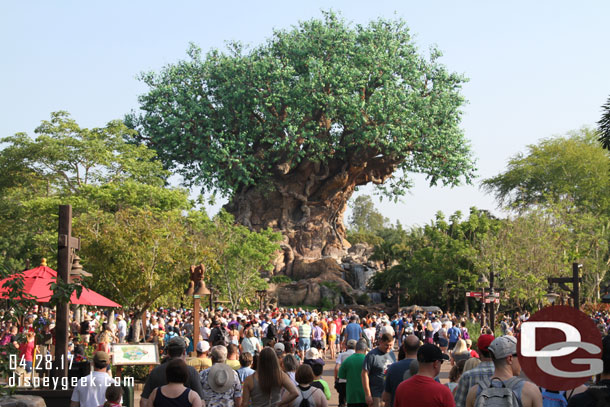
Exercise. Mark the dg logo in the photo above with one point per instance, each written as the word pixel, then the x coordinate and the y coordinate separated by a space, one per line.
pixel 560 348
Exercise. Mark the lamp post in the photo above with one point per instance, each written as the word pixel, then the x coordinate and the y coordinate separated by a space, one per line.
pixel 575 280
pixel 483 282
pixel 68 269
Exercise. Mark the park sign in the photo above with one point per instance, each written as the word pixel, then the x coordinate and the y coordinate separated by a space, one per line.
pixel 477 294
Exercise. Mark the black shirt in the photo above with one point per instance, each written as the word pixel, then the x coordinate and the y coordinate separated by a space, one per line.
pixel 597 395
pixel 157 378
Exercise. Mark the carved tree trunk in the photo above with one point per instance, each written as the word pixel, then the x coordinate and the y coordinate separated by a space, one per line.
pixel 307 205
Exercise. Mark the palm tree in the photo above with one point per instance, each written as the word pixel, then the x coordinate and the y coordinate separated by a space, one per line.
pixel 604 126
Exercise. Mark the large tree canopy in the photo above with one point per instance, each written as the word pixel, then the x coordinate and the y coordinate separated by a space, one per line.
pixel 323 91
pixel 290 128
pixel 573 168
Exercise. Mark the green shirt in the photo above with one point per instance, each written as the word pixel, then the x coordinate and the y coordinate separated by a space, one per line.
pixel 325 387
pixel 351 370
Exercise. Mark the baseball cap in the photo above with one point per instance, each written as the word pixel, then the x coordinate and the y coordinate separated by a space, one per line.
pixel 503 347
pixel 177 342
pixel 484 341
pixel 203 346
pixel 101 356
pixel 279 346
pixel 428 353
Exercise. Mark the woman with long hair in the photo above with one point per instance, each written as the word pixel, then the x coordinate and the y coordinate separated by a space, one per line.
pixel 263 388
pixel 429 332
pixel 460 352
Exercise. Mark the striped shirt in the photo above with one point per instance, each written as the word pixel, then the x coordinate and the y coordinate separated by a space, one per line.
pixel 304 330
pixel 471 378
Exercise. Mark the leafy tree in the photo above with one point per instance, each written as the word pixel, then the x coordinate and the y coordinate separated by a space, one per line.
pixel 573 169
pixel 365 217
pixel 389 249
pixel 136 255
pixel 438 253
pixel 237 257
pixel 90 169
pixel 290 128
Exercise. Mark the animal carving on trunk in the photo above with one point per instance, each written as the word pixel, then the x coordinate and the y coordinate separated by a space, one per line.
pixel 196 283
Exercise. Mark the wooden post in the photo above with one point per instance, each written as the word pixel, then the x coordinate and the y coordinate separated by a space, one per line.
pixel 63 271
pixel 576 285
pixel 196 306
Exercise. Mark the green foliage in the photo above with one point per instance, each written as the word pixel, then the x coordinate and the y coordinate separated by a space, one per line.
pixel 280 279
pixel 428 257
pixel 91 169
pixel 332 285
pixel 137 255
pixel 363 299
pixel 235 257
pixel 561 190
pixel 365 217
pixel 572 169
pixel 604 126
pixel 326 304
pixel 324 92
pixel 369 238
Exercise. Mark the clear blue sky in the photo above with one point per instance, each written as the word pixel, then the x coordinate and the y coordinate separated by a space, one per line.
pixel 536 68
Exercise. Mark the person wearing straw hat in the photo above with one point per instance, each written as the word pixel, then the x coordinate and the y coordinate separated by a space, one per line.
pixel 220 383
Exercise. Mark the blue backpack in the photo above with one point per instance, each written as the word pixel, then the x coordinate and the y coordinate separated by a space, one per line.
pixel 553 399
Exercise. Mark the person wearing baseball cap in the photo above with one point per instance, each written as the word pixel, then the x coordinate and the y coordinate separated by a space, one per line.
pixel 422 390
pixel 506 369
pixel 478 374
pixel 90 391
pixel 202 361
pixel 176 348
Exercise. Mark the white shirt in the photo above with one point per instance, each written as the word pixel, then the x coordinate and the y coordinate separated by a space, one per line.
pixel 342 356
pixel 92 393
pixel 122 327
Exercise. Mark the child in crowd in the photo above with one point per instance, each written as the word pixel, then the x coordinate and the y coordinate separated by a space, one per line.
pixel 318 381
pixel 245 360
pixel 114 394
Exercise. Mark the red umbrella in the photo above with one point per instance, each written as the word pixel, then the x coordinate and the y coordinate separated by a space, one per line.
pixel 37 284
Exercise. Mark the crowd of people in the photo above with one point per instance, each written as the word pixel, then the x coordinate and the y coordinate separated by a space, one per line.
pixel 277 358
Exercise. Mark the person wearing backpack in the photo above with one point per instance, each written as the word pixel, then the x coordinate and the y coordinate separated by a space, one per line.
pixel 309 396
pixel 598 394
pixel 504 388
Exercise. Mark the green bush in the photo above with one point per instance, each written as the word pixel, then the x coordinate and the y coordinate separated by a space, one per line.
pixel 363 299
pixel 332 286
pixel 326 304
pixel 138 372
pixel 279 279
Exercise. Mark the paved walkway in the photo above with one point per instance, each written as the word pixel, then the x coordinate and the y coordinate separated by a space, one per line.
pixel 329 376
